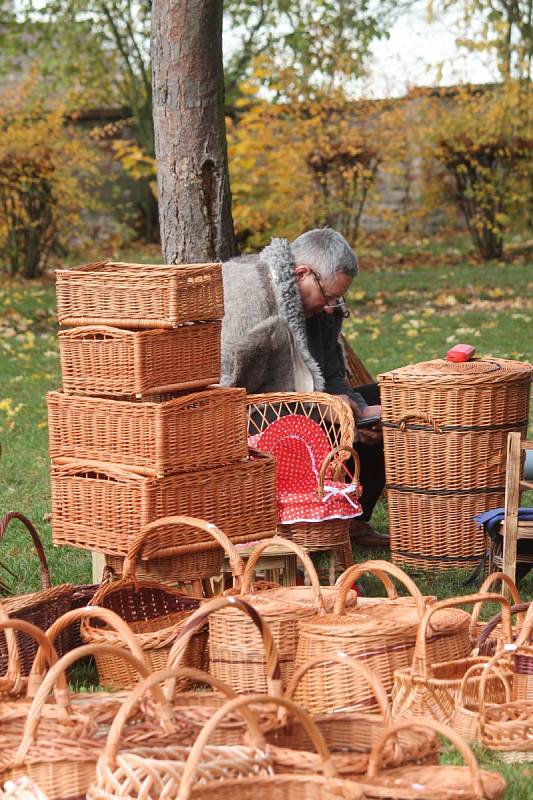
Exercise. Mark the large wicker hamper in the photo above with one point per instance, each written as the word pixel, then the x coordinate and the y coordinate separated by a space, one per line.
pixel 445 429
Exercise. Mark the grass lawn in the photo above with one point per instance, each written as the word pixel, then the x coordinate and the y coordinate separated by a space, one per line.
pixel 400 314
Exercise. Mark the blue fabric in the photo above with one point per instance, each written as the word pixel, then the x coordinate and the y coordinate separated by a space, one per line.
pixel 492 519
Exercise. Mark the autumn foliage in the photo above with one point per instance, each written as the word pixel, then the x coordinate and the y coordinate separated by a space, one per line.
pixel 46 172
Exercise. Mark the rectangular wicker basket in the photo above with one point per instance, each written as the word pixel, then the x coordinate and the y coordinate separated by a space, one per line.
pixel 102 507
pixel 139 295
pixel 445 428
pixel 189 432
pixel 110 361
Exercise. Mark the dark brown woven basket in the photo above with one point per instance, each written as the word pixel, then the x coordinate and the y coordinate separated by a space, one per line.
pixel 445 429
pixel 39 608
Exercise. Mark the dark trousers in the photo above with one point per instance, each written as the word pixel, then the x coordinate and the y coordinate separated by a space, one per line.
pixel 372 476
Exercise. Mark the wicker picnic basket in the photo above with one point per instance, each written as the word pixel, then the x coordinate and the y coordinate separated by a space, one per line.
pixel 236 651
pixel 40 608
pixel 465 717
pixel 382 635
pixel 491 635
pixel 430 686
pixel 477 626
pixel 149 771
pixel 430 782
pixel 281 786
pixel 154 611
pixel 506 728
pixel 103 507
pixel 154 559
pixel 445 429
pixel 188 432
pixel 13 684
pixel 112 361
pixel 350 734
pixel 56 743
pixel 139 295
pixel 522 661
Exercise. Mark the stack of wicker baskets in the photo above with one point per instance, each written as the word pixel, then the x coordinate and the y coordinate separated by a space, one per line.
pixel 137 433
pixel 445 428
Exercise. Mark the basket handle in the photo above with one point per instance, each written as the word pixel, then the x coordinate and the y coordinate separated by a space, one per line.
pixel 138 544
pixel 492 623
pixel 481 668
pixel 13 679
pixel 524 637
pixel 354 479
pixel 422 417
pixel 81 465
pixel 352 574
pixel 357 667
pixel 420 656
pixel 4 522
pixel 489 667
pixel 438 727
pixel 390 588
pixel 301 553
pixel 205 734
pixel 493 578
pixel 59 669
pixel 199 618
pixel 61 623
pixel 81 331
pixel 156 679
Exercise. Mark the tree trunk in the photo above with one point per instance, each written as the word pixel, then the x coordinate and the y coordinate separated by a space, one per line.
pixel 190 133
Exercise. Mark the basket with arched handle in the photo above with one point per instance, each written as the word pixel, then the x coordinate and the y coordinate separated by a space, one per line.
pixel 429 781
pixel 349 733
pixel 40 608
pixel 430 688
pixel 382 635
pixel 477 626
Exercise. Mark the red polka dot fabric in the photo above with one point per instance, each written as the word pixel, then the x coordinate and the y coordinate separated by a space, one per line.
pixel 300 446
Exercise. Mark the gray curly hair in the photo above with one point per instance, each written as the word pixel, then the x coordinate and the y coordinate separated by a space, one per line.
pixel 326 251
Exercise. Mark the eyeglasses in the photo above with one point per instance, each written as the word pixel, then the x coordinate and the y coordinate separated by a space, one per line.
pixel 329 302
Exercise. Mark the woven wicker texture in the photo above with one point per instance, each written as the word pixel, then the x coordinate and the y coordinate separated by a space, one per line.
pixel 508 727
pixel 111 361
pixel 465 718
pixel 491 635
pixel 381 634
pixel 430 688
pixel 349 734
pixel 236 649
pixel 185 567
pixel 476 626
pixel 154 771
pixel 39 608
pixel 155 613
pixel 102 507
pixel 522 660
pixel 21 789
pixel 139 295
pixel 278 787
pixel 445 429
pixel 431 782
pixel 13 683
pixel 56 744
pixel 189 432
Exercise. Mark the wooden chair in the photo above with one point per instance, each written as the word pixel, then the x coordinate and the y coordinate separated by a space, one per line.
pixel 356 372
pixel 336 419
pixel 512 528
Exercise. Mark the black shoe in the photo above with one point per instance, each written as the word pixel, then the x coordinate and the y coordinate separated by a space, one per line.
pixel 363 533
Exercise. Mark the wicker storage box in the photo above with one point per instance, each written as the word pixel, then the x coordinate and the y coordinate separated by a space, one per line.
pixel 109 361
pixel 445 429
pixel 102 507
pixel 188 432
pixel 139 295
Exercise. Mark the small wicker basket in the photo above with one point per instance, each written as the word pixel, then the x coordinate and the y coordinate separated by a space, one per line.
pixel 115 362
pixel 445 428
pixel 477 627
pixel 139 295
pixel 189 432
pixel 103 507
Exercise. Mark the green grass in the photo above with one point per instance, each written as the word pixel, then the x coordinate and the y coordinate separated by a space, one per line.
pixel 399 315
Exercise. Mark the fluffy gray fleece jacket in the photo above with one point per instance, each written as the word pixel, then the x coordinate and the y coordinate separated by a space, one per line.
pixel 264 340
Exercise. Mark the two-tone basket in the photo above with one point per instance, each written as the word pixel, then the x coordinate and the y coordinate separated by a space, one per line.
pixel 103 507
pixel 445 428
pixel 188 432
pixel 102 360
pixel 139 295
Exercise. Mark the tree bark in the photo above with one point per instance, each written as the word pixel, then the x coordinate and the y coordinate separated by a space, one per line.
pixel 190 133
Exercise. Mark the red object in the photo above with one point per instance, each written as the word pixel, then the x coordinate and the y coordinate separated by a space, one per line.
pixel 300 446
pixel 461 352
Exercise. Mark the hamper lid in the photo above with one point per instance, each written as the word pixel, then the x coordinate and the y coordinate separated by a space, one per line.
pixel 474 372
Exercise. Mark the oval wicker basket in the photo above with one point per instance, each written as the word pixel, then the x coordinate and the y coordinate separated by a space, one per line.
pixel 445 429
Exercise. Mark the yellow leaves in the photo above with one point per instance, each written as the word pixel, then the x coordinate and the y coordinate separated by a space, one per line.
pixel 10 411
pixel 443 299
pixel 357 295
pixel 411 332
